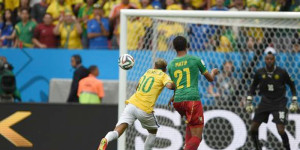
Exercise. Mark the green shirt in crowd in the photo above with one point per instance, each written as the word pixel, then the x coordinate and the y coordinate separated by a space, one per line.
pixel 25 33
pixel 84 11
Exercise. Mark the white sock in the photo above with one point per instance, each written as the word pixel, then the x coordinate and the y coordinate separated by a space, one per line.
pixel 150 141
pixel 112 135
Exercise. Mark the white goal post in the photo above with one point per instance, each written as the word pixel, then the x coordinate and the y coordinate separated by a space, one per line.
pixel 207 17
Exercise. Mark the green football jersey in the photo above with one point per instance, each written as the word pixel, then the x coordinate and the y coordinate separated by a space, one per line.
pixel 25 33
pixel 184 72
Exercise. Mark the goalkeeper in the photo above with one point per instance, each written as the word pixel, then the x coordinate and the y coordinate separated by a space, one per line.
pixel 271 81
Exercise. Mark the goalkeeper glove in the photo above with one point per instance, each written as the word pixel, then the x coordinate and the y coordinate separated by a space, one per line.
pixel 294 104
pixel 249 106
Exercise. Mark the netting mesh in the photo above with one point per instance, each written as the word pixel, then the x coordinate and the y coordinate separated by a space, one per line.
pixel 235 46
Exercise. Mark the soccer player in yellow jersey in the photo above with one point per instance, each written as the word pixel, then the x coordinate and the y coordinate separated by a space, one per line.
pixel 140 105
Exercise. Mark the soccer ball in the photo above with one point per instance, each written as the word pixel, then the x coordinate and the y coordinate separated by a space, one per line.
pixel 126 62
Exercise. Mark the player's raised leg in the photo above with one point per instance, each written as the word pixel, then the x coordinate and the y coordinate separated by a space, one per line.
pixel 127 118
pixel 150 140
pixel 112 135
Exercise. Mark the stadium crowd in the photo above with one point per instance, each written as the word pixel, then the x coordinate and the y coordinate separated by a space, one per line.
pixel 94 24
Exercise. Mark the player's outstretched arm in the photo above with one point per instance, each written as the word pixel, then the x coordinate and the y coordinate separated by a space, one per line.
pixel 211 76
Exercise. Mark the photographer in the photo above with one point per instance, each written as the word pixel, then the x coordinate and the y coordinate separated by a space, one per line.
pixel 8 89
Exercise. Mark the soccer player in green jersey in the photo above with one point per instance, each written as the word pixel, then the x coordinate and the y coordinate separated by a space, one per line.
pixel 184 71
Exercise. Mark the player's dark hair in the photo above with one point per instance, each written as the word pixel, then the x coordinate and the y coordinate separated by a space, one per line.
pixel 77 59
pixel 92 68
pixel 180 43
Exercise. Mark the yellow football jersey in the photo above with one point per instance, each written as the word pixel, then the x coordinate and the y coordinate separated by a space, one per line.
pixel 150 86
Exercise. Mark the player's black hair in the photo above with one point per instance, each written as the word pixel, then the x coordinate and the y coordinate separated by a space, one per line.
pixel 180 43
pixel 92 68
pixel 77 59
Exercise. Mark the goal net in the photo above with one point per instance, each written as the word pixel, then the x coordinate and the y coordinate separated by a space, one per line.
pixel 235 43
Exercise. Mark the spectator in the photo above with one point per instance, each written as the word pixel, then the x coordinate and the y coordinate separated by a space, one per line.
pixel 276 5
pixel 171 5
pixel 85 14
pixel 24 30
pixel 79 73
pixel 90 89
pixel 107 6
pixel 11 4
pixel 297 8
pixel 43 34
pixel 219 6
pixel 69 30
pixel 227 3
pixel 97 29
pixel 167 31
pixel 136 32
pixel 6 29
pixel 24 4
pixel 6 64
pixel 114 20
pixel 38 11
pixel 8 90
pixel 253 7
pixel 296 45
pixel 284 5
pixel 1 10
pixel 225 87
pixel 145 4
pixel 187 5
pixel 238 5
pixel 57 9
pixel 157 4
pixel 227 41
pixel 75 4
pixel 198 4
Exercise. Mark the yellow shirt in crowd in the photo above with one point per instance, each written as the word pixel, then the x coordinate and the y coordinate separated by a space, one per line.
pixel 174 7
pixel 256 33
pixel 69 2
pixel 69 37
pixel 196 3
pixel 110 4
pixel 135 32
pixel 150 86
pixel 56 10
pixel 11 4
pixel 225 45
pixel 165 31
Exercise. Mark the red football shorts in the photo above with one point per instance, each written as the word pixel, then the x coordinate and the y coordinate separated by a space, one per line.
pixel 192 110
